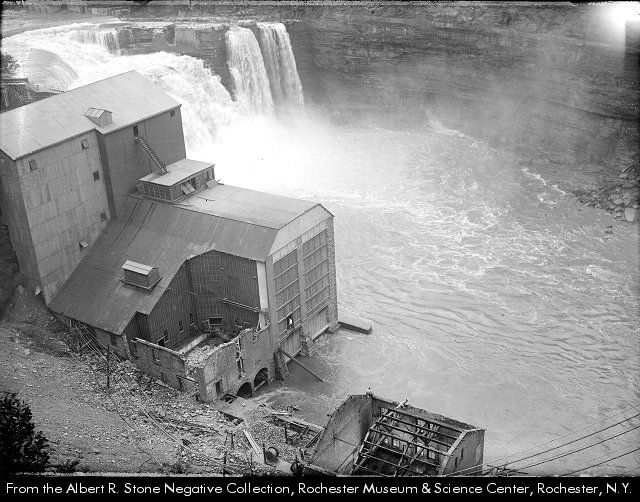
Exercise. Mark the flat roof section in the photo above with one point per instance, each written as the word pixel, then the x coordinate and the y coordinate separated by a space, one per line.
pixel 240 204
pixel 177 172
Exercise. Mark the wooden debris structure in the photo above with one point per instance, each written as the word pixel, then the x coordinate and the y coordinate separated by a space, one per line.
pixel 368 435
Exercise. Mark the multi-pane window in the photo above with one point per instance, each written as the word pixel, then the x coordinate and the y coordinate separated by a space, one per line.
pixel 156 191
pixel 32 165
pixel 96 175
pixel 215 321
pixel 181 325
pixel 287 290
pixel 316 271
pixel 85 144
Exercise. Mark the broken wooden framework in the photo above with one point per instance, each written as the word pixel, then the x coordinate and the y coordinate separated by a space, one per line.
pixel 400 444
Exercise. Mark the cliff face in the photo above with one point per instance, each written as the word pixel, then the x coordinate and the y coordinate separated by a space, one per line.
pixel 537 78
pixel 552 79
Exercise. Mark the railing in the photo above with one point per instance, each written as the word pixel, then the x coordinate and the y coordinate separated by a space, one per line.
pixel 162 167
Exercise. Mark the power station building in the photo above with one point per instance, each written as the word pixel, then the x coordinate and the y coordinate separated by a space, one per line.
pixel 144 249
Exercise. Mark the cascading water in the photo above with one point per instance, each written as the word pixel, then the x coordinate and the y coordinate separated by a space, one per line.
pixel 280 63
pixel 206 104
pixel 248 73
pixel 105 37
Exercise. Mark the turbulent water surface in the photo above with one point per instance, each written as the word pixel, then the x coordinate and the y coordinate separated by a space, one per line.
pixel 495 297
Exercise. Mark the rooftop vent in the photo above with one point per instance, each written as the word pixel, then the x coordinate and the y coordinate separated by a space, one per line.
pixel 99 116
pixel 142 276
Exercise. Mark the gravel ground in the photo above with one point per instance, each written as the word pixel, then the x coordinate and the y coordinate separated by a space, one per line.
pixel 138 426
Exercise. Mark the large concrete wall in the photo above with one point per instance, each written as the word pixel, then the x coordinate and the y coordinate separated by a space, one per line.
pixel 64 205
pixel 127 162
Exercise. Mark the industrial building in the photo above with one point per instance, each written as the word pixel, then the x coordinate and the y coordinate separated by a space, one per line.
pixel 143 248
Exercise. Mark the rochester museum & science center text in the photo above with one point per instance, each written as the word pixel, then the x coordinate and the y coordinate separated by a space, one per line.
pixel 311 488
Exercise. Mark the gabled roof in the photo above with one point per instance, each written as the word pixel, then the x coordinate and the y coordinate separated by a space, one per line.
pixel 138 268
pixel 165 236
pixel 129 96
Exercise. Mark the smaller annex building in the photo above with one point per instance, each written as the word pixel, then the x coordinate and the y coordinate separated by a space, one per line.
pixel 193 266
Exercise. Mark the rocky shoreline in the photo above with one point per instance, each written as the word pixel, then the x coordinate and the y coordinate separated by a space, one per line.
pixel 619 198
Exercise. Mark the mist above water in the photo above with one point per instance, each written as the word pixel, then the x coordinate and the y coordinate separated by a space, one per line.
pixel 495 297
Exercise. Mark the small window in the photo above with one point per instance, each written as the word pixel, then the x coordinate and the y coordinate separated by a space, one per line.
pixel 135 131
pixel 32 165
pixel 215 321
pixel 461 453
pixel 113 340
pixel 191 318
pixel 173 113
pixel 96 175
pixel 163 341
pixel 456 462
pixel 290 324
pixel 219 386
pixel 103 216
pixel 85 144
pixel 181 325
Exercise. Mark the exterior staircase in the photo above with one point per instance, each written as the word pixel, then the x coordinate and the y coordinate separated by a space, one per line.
pixel 162 167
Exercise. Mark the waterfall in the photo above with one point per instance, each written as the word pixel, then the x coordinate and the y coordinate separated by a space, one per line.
pixel 280 63
pixel 66 62
pixel 248 74
pixel 107 38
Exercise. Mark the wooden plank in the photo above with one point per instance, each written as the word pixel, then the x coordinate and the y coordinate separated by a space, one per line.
pixel 424 431
pixel 400 439
pixel 426 419
pixel 358 466
pixel 435 431
pixel 400 453
pixel 254 445
pixel 291 358
pixel 366 455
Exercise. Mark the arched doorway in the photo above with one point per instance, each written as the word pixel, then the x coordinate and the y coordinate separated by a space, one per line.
pixel 262 378
pixel 245 391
